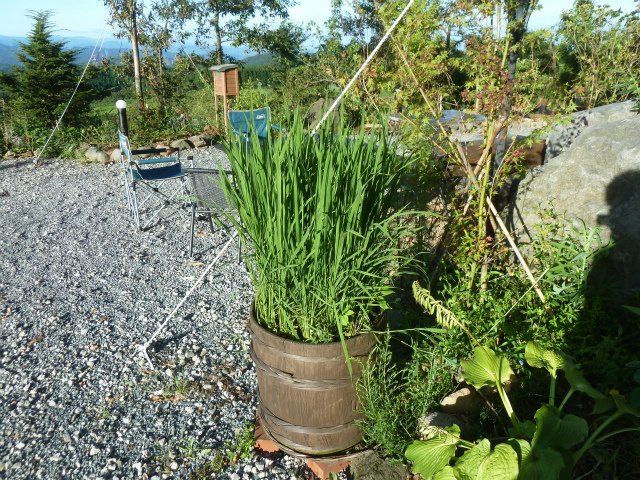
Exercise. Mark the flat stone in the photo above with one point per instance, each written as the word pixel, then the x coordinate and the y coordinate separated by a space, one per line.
pixel 460 402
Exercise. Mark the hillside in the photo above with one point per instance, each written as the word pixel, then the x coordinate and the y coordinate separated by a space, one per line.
pixel 110 48
pixel 258 60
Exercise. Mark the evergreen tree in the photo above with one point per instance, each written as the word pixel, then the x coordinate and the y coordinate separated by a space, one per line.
pixel 43 83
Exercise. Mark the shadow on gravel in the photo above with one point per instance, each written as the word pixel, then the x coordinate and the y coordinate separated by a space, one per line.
pixel 15 164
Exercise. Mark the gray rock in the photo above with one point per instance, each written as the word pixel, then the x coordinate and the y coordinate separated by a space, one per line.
pixel 115 155
pixel 202 140
pixel 460 402
pixel 94 154
pixel 563 136
pixel 596 180
pixel 371 466
pixel 182 144
pixel 317 111
pixel 440 420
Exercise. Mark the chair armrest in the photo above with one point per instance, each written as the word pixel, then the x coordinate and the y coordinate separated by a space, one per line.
pixel 149 161
pixel 144 151
pixel 275 127
pixel 205 170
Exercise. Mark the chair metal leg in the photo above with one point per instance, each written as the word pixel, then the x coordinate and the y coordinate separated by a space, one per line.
pixel 211 223
pixel 193 221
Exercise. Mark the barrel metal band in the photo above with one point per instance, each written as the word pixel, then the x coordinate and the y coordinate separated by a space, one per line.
pixel 301 383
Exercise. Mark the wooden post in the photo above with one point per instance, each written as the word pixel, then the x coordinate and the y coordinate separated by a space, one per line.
pixel 225 83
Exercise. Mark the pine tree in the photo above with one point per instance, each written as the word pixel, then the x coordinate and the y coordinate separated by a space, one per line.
pixel 43 83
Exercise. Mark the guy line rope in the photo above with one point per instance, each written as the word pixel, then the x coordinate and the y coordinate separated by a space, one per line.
pixel 72 95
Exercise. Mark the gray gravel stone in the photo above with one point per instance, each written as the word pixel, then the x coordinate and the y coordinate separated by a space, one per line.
pixel 81 289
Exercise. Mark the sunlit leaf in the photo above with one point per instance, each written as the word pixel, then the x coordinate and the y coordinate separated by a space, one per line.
pixel 486 368
pixel 445 474
pixel 482 463
pixel 540 357
pixel 431 456
pixel 467 467
pixel 500 464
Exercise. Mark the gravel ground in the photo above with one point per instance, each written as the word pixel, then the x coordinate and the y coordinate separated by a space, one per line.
pixel 79 289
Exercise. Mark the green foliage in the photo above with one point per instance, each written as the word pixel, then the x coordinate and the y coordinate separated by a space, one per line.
pixel 230 454
pixel 509 313
pixel 595 41
pixel 400 387
pixel 317 214
pixel 43 83
pixel 547 453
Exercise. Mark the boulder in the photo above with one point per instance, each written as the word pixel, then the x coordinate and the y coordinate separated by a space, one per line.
pixel 202 140
pixel 595 179
pixel 317 111
pixel 115 155
pixel 182 144
pixel 371 466
pixel 563 136
pixel 460 402
pixel 94 154
pixel 440 420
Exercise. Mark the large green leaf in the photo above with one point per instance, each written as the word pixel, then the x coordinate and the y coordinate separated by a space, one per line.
pixel 521 447
pixel 603 404
pixel 482 463
pixel 526 429
pixel 540 357
pixel 445 474
pixel 545 465
pixel 579 383
pixel 486 368
pixel 431 456
pixel 554 431
pixel 468 465
pixel 500 464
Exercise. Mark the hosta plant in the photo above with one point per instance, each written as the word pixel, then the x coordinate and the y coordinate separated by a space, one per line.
pixel 547 449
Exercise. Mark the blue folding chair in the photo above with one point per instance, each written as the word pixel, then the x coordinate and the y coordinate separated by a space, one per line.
pixel 158 185
pixel 243 121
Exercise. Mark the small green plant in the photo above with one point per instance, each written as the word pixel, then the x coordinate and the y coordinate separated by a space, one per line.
pixel 230 454
pixel 546 449
pixel 398 388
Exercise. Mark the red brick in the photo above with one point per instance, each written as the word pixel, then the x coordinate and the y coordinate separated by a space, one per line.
pixel 322 469
pixel 262 441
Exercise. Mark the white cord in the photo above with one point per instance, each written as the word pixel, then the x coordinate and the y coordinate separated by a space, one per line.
pixel 194 65
pixel 72 95
pixel 375 50
pixel 143 348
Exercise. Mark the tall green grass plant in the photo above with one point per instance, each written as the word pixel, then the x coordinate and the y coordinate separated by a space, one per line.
pixel 317 213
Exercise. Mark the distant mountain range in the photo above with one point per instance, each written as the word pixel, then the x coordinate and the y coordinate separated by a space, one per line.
pixel 111 47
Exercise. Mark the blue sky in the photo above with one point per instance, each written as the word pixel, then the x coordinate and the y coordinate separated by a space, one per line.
pixel 88 17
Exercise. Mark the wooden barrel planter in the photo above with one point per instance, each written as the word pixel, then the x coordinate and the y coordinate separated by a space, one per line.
pixel 307 399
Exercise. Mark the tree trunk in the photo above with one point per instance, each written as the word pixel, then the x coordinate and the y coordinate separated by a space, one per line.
pixel 136 52
pixel 516 17
pixel 216 27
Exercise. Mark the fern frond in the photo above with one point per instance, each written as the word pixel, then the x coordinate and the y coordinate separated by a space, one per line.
pixel 444 316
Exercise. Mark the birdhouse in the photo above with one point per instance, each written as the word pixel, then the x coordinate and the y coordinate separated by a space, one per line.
pixel 225 83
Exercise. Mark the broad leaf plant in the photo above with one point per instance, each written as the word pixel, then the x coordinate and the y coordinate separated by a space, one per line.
pixel 545 450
